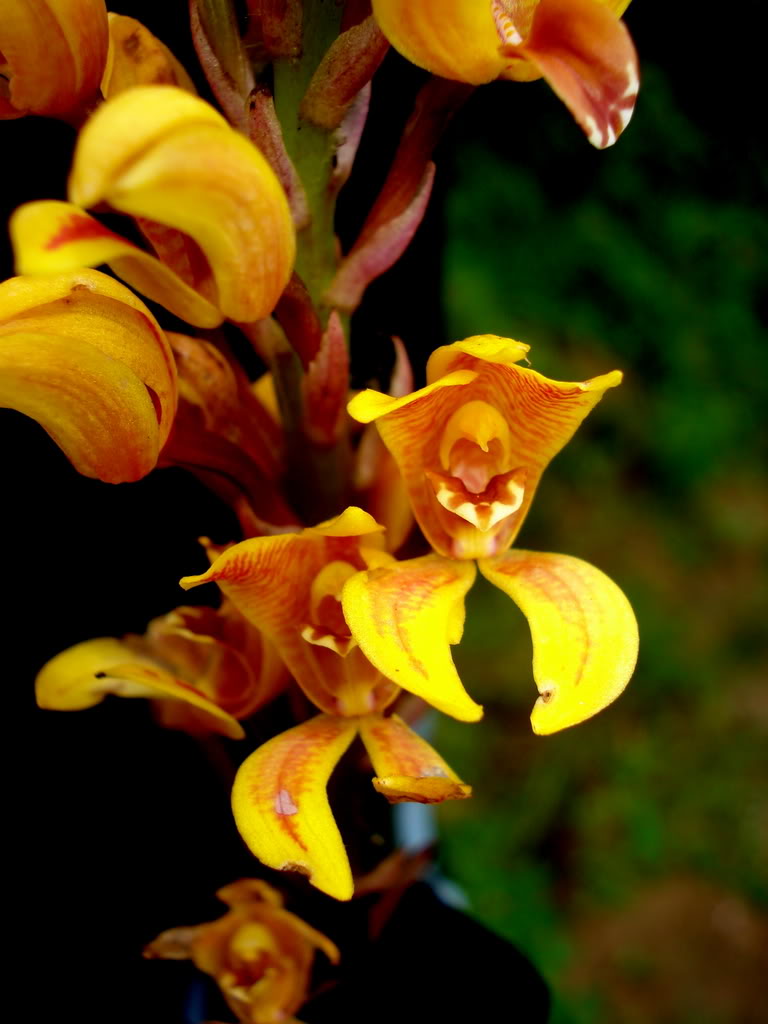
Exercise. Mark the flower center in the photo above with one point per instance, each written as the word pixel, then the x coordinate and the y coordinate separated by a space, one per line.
pixel 327 626
pixel 475 452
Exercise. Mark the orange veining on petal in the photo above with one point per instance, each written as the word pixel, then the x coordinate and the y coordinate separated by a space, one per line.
pixel 583 630
pixel 405 615
pixel 281 806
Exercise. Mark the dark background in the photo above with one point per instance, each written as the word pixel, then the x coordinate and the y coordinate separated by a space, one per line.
pixel 627 857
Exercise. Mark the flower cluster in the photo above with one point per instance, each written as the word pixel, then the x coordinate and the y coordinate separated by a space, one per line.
pixel 229 217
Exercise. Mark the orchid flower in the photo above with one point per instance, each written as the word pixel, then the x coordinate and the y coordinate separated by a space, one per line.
pixel 471 447
pixel 203 670
pixel 202 194
pixel 301 591
pixel 580 47
pixel 259 954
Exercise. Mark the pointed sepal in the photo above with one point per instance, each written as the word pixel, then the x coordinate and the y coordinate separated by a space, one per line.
pixel 405 616
pixel 281 807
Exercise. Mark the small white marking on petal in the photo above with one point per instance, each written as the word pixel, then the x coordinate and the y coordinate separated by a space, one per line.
pixel 633 82
pixel 594 134
pixel 284 804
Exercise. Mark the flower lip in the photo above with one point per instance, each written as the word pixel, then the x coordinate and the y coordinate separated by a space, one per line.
pixel 327 626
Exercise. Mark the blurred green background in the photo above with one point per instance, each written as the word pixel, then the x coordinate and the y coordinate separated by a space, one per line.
pixel 628 856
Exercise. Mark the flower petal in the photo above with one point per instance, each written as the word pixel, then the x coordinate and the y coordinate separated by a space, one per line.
pixel 221 654
pixel 281 806
pixel 54 55
pixel 370 405
pixel 583 628
pixel 136 57
pixel 159 153
pixel 406 766
pixel 586 55
pixel 455 39
pixel 405 616
pixel 50 237
pixel 85 674
pixel 83 356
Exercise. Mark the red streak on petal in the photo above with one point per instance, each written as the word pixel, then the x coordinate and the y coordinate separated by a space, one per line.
pixel 78 229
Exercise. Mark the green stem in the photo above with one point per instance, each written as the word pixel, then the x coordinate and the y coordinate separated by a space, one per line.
pixel 311 148
pixel 317 476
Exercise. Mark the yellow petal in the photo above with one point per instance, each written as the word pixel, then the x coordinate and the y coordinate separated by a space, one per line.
pixel 136 57
pixel 370 405
pixel 83 675
pixel 50 237
pixel 583 628
pixel 159 153
pixel 52 52
pixel 455 39
pixel 405 616
pixel 281 807
pixel 352 522
pixel 123 129
pixel 541 416
pixel 490 348
pixel 83 356
pixel 406 766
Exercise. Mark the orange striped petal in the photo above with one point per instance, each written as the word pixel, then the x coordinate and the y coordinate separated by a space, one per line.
pixel 586 55
pixel 159 153
pixel 85 674
pixel 405 616
pixel 583 628
pixel 50 237
pixel 269 580
pixel 455 39
pixel 406 766
pixel 136 57
pixel 539 416
pixel 281 807
pixel 85 358
pixel 52 54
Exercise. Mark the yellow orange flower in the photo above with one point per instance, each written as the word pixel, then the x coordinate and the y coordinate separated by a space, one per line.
pixel 580 47
pixel 202 194
pixel 52 56
pixel 204 670
pixel 259 953
pixel 471 447
pixel 84 357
